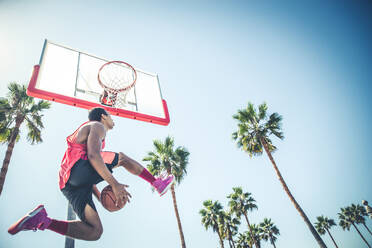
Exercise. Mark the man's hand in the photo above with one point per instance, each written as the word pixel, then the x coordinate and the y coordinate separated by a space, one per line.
pixel 96 193
pixel 121 194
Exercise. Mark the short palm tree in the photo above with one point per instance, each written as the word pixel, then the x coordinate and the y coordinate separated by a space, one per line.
pixel 211 217
pixel 348 219
pixel 242 241
pixel 229 226
pixel 240 203
pixel 16 109
pixel 253 136
pixel 254 236
pixel 323 225
pixel 367 208
pixel 360 213
pixel 269 231
pixel 173 161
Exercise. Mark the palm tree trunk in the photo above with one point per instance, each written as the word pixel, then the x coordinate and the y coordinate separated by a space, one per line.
pixel 361 235
pixel 183 244
pixel 221 240
pixel 329 233
pixel 230 238
pixel 230 243
pixel 9 151
pixel 250 230
pixel 272 241
pixel 364 224
pixel 233 243
pixel 297 206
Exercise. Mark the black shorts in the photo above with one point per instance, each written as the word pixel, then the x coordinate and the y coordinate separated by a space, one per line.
pixel 79 187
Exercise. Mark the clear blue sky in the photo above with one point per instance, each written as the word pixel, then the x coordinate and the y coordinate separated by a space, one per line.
pixel 311 62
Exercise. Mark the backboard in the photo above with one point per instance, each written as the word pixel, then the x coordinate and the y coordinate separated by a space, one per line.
pixel 69 76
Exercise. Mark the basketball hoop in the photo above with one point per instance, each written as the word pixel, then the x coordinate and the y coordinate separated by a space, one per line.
pixel 116 78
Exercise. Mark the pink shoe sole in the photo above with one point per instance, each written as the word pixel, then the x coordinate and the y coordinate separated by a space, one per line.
pixel 17 227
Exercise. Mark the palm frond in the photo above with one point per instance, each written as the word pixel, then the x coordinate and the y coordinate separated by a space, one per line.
pixel 165 158
pixel 6 135
pixel 253 126
pixel 262 109
pixel 273 125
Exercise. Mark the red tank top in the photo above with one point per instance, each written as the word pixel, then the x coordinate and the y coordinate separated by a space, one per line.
pixel 73 153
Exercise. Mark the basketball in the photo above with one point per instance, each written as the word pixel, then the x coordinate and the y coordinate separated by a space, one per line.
pixel 108 199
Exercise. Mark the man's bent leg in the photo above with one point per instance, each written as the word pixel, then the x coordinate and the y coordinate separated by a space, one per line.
pixel 130 165
pixel 38 219
pixel 91 229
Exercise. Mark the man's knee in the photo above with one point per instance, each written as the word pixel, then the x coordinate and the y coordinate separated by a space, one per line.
pixel 123 159
pixel 96 233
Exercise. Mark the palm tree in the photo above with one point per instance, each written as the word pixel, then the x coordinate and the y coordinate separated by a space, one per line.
pixel 254 235
pixel 16 108
pixel 174 162
pixel 268 231
pixel 367 208
pixel 323 225
pixel 211 217
pixel 252 137
pixel 229 226
pixel 243 241
pixel 347 218
pixel 360 213
pixel 240 203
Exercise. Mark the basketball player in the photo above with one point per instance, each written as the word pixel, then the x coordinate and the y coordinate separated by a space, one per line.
pixel 83 166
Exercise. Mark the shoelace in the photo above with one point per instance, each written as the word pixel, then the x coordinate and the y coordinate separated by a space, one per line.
pixel 38 227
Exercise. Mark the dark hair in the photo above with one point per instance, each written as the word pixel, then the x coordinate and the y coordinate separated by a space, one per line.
pixel 95 114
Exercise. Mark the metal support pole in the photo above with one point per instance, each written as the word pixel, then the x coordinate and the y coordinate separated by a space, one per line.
pixel 69 242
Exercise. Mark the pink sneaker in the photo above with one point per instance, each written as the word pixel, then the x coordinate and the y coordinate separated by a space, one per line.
pixel 36 219
pixel 162 185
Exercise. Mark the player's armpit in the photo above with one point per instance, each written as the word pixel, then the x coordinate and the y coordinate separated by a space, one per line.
pixel 94 143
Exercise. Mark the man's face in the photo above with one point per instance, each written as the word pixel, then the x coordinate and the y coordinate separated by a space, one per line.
pixel 107 121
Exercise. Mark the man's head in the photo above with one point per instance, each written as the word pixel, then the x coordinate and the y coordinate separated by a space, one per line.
pixel 100 114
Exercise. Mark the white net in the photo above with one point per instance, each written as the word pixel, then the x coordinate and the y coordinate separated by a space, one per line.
pixel 117 78
pixel 116 100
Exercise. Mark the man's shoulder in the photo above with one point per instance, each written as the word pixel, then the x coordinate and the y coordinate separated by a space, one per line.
pixel 97 127
pixel 95 124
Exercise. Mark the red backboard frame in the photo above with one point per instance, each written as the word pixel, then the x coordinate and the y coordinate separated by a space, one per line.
pixel 46 95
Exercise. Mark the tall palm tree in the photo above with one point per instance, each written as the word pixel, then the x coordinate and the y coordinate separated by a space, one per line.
pixel 211 217
pixel 323 225
pixel 15 109
pixel 253 136
pixel 240 203
pixel 347 218
pixel 173 161
pixel 269 231
pixel 229 226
